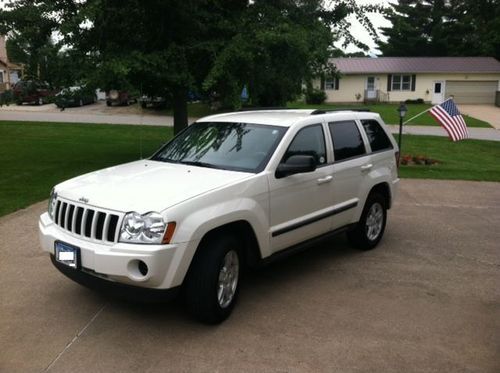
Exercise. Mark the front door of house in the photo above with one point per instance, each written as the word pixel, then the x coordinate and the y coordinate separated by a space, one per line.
pixel 371 93
pixel 438 92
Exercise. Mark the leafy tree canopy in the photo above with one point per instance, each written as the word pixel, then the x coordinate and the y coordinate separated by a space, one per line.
pixel 171 47
pixel 443 28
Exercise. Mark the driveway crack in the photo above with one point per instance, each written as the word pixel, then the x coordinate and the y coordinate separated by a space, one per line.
pixel 75 338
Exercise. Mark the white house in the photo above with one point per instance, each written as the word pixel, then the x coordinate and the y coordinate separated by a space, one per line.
pixel 471 80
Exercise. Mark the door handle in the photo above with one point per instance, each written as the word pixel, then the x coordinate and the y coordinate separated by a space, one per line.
pixel 366 167
pixel 325 180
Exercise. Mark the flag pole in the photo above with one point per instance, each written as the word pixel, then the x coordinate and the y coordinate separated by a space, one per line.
pixel 425 111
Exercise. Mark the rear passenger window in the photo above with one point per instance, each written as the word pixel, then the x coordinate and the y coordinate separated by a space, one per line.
pixel 347 141
pixel 309 141
pixel 376 135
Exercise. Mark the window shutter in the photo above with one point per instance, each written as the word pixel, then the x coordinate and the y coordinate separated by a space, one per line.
pixel 337 84
pixel 389 82
pixel 413 82
pixel 322 83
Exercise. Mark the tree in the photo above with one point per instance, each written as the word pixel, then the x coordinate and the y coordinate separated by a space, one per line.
pixel 170 47
pixel 443 28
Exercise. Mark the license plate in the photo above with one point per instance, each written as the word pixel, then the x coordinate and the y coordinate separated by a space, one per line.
pixel 67 254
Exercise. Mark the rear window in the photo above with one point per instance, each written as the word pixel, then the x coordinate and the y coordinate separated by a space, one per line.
pixel 347 141
pixel 376 135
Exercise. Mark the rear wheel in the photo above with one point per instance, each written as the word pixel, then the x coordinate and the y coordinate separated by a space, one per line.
pixel 371 226
pixel 212 284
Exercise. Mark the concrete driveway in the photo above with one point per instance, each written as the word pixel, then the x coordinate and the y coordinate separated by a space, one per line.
pixel 426 300
pixel 488 113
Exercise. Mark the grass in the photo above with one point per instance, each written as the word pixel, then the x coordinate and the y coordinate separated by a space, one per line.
pixel 463 160
pixel 36 156
pixel 387 112
pixel 390 115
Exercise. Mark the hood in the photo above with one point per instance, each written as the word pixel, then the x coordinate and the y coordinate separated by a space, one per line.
pixel 145 185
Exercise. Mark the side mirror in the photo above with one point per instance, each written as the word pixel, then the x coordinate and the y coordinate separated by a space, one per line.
pixel 296 164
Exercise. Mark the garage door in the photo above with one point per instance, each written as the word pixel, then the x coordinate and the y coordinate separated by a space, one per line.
pixel 472 92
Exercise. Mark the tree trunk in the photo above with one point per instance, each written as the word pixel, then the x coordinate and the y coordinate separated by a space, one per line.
pixel 180 109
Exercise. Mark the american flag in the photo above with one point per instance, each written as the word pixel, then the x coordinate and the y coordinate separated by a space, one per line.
pixel 449 117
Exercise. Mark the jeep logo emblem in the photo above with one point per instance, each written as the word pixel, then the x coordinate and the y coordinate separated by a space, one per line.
pixel 84 200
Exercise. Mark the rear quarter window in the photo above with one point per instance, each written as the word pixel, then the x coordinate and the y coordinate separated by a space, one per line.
pixel 377 137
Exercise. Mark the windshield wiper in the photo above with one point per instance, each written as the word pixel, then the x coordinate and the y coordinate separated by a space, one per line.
pixel 200 164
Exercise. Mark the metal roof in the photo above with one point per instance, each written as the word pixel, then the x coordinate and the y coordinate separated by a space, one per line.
pixel 388 65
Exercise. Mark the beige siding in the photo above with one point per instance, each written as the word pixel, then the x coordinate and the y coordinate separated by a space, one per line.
pixel 350 85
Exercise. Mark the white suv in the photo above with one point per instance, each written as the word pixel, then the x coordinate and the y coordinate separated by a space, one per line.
pixel 232 190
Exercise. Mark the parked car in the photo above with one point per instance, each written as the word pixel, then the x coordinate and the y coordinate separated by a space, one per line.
pixel 232 190
pixel 155 102
pixel 33 92
pixel 75 96
pixel 118 97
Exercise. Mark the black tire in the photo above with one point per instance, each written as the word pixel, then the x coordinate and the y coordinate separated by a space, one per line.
pixel 202 283
pixel 108 103
pixel 360 236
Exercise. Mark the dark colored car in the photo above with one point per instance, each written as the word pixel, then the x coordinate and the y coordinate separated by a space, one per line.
pixel 33 92
pixel 123 98
pixel 75 96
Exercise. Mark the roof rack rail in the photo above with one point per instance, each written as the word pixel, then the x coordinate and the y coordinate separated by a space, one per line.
pixel 324 111
pixel 263 108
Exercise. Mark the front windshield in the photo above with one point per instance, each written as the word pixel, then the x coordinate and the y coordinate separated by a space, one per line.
pixel 230 146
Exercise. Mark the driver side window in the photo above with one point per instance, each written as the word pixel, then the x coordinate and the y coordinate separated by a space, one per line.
pixel 309 141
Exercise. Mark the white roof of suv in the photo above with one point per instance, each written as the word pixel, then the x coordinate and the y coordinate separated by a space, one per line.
pixel 285 118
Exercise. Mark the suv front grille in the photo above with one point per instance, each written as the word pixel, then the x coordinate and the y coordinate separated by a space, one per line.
pixel 87 222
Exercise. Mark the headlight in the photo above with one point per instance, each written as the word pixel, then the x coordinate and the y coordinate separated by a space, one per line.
pixel 147 228
pixel 52 203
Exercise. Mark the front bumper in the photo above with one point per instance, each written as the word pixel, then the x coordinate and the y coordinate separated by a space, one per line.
pixel 118 262
pixel 115 289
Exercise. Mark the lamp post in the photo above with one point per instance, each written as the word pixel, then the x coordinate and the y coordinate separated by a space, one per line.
pixel 402 109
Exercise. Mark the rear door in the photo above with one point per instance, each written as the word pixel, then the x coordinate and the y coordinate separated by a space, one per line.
pixel 350 169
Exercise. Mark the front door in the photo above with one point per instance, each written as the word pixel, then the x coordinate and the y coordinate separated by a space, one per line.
pixel 298 202
pixel 438 92
pixel 371 92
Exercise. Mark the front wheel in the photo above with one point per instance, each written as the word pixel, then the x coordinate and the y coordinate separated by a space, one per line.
pixel 212 284
pixel 371 226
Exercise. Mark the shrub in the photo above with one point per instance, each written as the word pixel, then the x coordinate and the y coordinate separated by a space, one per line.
pixel 6 98
pixel 315 96
pixel 417 101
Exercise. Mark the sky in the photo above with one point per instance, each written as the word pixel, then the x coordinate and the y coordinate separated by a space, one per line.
pixel 361 34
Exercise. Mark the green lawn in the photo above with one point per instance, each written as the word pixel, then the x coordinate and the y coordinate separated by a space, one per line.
pixel 389 113
pixel 464 160
pixel 36 156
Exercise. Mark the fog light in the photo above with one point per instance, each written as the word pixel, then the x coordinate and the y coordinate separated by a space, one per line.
pixel 143 268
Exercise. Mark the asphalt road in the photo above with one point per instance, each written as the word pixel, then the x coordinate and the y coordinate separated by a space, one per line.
pixel 426 300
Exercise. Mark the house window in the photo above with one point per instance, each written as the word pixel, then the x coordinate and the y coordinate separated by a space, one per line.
pixel 329 84
pixel 1 77
pixel 401 82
